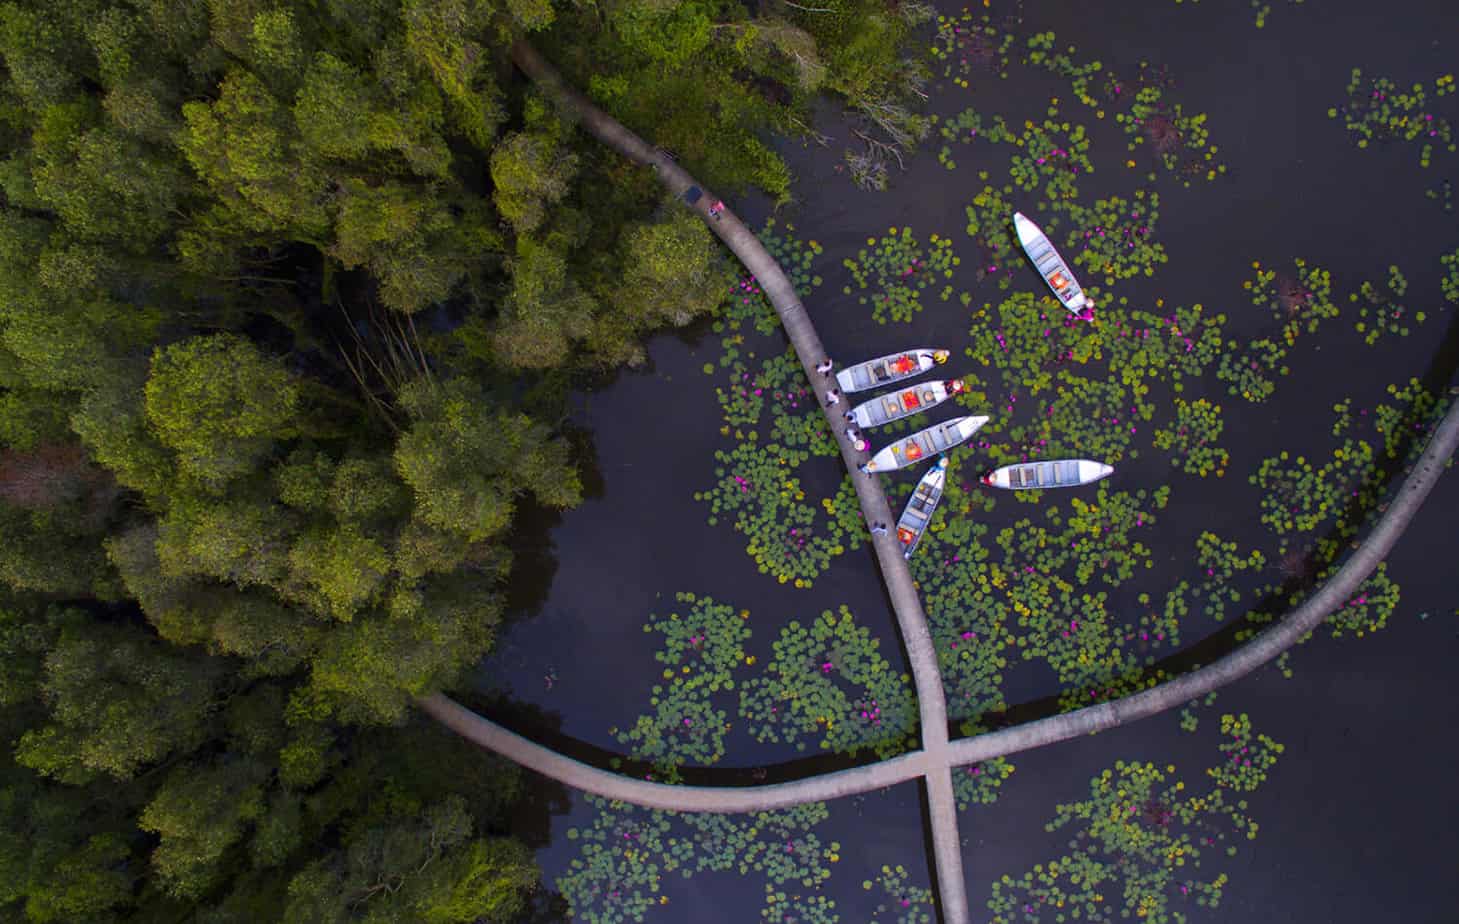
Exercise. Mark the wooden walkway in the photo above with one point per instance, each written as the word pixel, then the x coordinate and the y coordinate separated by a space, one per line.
pixel 937 758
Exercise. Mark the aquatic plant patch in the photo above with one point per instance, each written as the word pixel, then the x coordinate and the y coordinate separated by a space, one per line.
pixel 700 651
pixel 829 685
pixel 895 271
pixel 902 902
pixel 1381 311
pixel 1192 438
pixel 617 875
pixel 970 48
pixel 1115 237
pixel 1144 844
pixel 1377 111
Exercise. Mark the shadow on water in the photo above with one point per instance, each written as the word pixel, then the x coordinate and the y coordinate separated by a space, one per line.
pixel 534 561
pixel 545 728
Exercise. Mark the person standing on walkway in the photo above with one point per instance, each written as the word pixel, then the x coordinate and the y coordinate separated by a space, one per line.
pixel 878 529
pixel 833 397
pixel 825 367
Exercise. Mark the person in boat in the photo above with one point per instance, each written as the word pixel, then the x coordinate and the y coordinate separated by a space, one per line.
pixel 826 366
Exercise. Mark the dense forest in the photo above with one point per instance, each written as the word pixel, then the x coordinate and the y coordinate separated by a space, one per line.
pixel 291 296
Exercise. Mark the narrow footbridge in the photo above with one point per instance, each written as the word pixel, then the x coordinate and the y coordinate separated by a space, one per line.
pixel 938 756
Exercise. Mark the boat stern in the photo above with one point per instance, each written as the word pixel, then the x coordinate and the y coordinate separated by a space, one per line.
pixel 845 381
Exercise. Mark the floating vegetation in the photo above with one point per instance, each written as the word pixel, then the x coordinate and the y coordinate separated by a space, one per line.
pixel 1380 310
pixel 904 903
pixel 1221 564
pixel 896 272
pixel 1377 110
pixel 1192 438
pixel 789 538
pixel 829 684
pixel 1179 140
pixel 1450 280
pixel 622 857
pixel 773 417
pixel 1115 237
pixel 970 47
pixel 978 784
pixel 700 651
pixel 1249 757
pixel 1299 301
pixel 797 907
pixel 1143 844
pixel 990 225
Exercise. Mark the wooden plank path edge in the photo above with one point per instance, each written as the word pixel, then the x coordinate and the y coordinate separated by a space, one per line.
pixel 935 760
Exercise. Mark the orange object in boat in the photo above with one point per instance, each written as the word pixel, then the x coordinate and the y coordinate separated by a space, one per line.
pixel 914 451
pixel 1058 280
pixel 910 400
pixel 905 535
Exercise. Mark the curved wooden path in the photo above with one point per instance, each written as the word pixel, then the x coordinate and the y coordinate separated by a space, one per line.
pixel 937 757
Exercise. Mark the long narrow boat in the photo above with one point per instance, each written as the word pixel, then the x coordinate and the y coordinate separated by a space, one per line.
pixel 909 450
pixel 920 506
pixel 1050 265
pixel 914 399
pixel 1062 473
pixel 884 370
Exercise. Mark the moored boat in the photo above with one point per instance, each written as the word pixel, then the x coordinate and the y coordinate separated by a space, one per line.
pixel 884 370
pixel 1056 473
pixel 909 450
pixel 913 399
pixel 1050 265
pixel 920 506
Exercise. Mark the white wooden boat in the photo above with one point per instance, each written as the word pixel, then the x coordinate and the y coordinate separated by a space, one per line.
pixel 920 506
pixel 1058 473
pixel 914 399
pixel 922 445
pixel 1050 265
pixel 884 370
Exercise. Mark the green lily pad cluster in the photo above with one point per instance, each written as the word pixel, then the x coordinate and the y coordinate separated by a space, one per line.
pixel 970 47
pixel 1450 280
pixel 624 854
pixel 903 902
pixel 1248 756
pixel 1300 301
pixel 1378 110
pixel 979 784
pixel 1118 237
pixel 828 684
pixel 1192 438
pixel 1040 600
pixel 789 538
pixel 1141 845
pixel 772 417
pixel 1380 309
pixel 1179 141
pixel 1085 389
pixel 1221 565
pixel 893 274
pixel 701 649
pixel 999 255
pixel 802 908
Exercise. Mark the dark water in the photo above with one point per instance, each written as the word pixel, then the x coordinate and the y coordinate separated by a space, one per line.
pixel 1358 819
